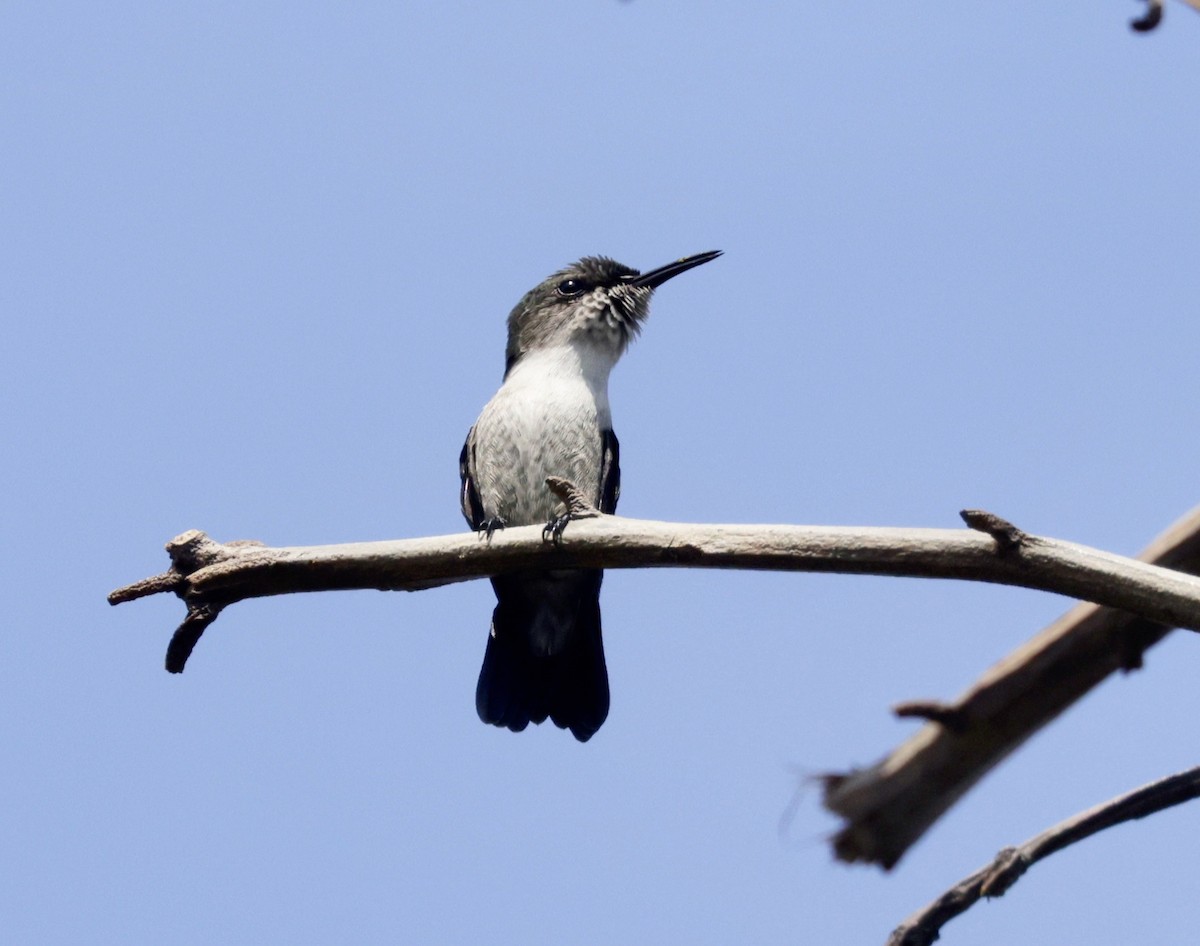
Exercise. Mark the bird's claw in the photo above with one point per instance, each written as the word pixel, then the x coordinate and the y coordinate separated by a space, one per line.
pixel 553 531
pixel 491 524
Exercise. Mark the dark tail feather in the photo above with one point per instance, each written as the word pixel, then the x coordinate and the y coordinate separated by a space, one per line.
pixel 520 684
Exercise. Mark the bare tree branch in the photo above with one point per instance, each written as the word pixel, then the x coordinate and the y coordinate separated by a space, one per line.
pixel 210 576
pixel 891 804
pixel 1152 16
pixel 1149 19
pixel 994 880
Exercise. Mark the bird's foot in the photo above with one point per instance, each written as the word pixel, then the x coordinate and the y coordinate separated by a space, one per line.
pixel 491 524
pixel 578 507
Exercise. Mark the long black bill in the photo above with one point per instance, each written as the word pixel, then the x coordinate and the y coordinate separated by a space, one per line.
pixel 656 277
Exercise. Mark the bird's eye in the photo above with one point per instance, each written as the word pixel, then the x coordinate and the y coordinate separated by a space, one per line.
pixel 570 288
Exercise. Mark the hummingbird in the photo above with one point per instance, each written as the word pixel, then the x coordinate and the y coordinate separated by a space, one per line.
pixel 551 417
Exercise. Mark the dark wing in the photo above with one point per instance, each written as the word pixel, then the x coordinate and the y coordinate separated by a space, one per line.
pixel 610 472
pixel 472 505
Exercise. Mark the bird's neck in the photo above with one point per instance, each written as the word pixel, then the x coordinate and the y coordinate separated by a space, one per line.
pixel 576 361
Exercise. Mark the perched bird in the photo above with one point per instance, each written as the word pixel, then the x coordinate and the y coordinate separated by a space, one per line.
pixel 545 656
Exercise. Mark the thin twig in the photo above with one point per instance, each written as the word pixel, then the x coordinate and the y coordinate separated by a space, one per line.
pixel 1149 19
pixel 1152 16
pixel 994 880
pixel 1007 536
pixel 944 714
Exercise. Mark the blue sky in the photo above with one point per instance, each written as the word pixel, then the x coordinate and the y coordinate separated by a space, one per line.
pixel 256 262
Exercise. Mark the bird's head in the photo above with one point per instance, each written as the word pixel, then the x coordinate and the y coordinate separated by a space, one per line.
pixel 596 300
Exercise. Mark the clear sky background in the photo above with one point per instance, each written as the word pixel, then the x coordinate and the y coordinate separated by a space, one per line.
pixel 256 260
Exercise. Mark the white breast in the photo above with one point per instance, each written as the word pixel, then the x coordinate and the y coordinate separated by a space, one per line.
pixel 546 420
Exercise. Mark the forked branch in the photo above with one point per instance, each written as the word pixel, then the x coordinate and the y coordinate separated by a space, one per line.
pixel 891 804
